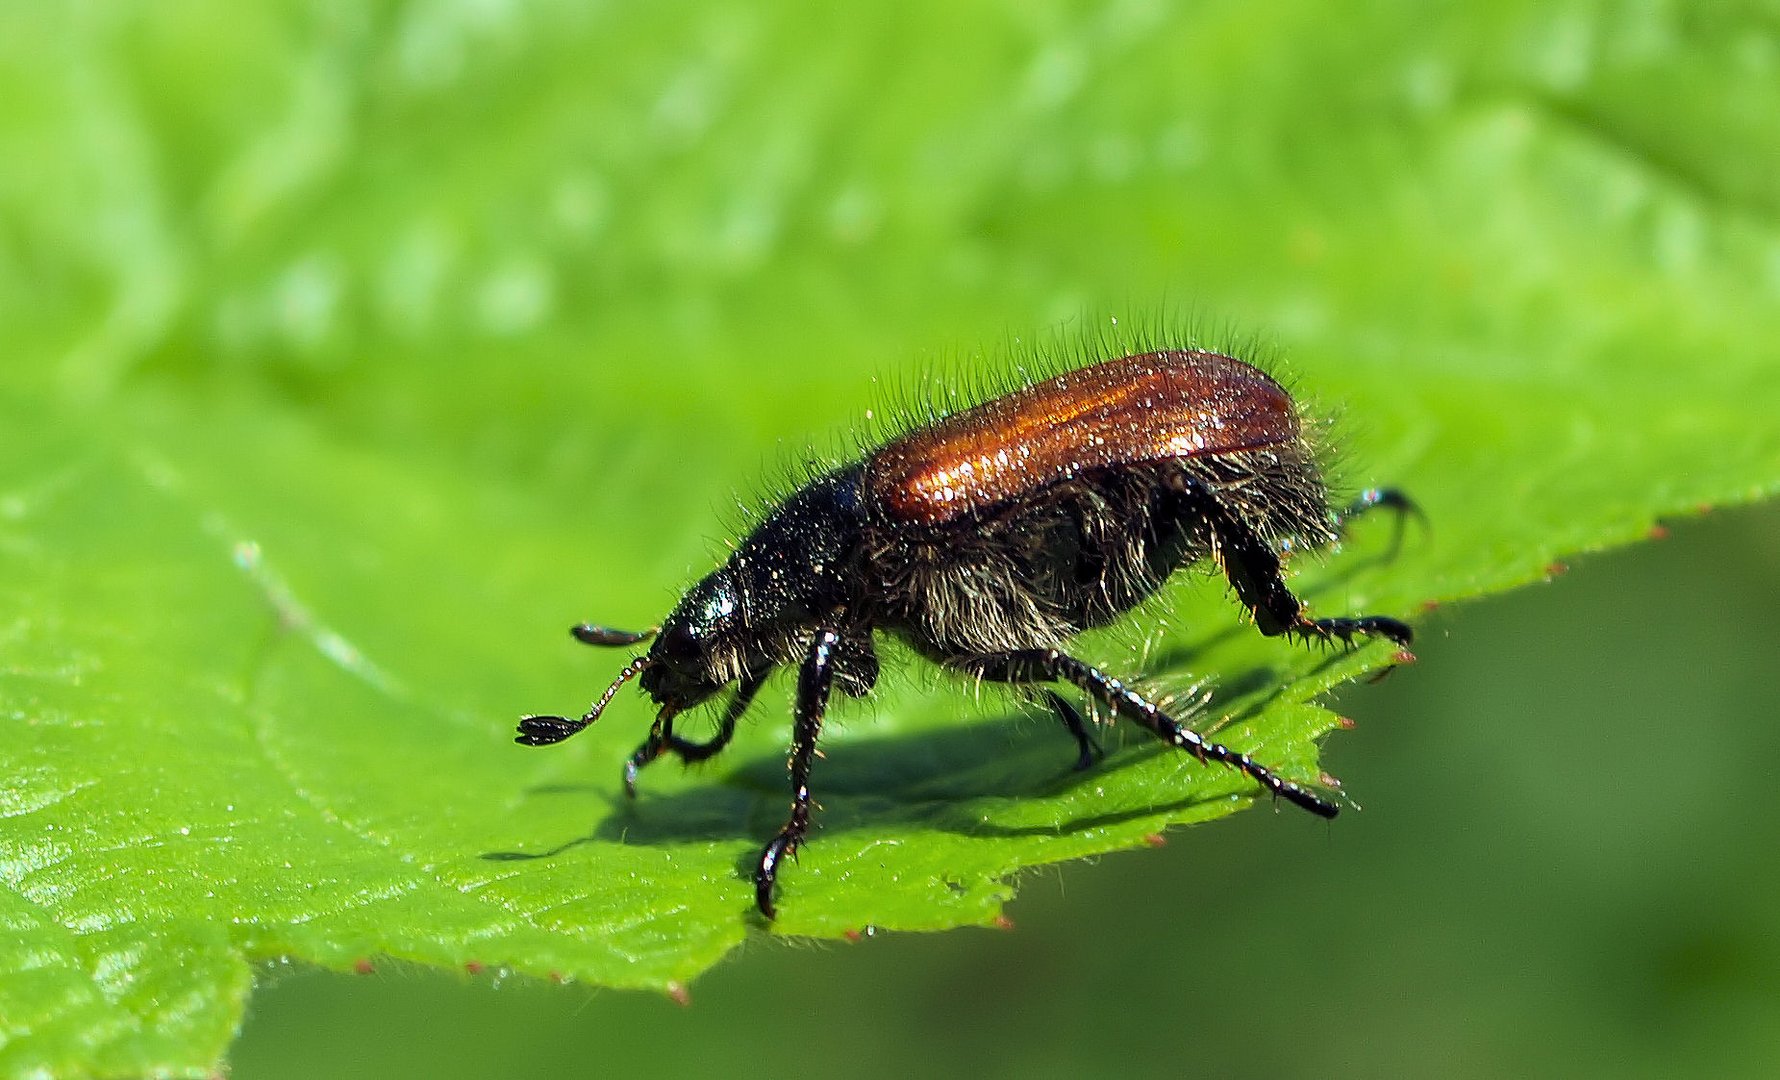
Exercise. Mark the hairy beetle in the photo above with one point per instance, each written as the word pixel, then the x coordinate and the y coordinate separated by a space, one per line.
pixel 986 540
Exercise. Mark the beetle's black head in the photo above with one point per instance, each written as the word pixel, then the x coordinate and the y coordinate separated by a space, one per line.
pixel 698 651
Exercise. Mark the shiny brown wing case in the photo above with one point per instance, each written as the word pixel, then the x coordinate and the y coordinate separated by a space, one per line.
pixel 1136 409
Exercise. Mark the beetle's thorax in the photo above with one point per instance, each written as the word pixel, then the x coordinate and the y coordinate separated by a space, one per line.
pixel 799 566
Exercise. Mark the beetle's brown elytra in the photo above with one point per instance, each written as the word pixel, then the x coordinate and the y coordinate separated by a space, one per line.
pixel 1129 411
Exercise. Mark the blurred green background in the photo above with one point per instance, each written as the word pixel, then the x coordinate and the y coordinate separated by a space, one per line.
pixel 455 304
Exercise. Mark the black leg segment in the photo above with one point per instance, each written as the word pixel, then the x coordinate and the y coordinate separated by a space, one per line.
pixel 663 740
pixel 1050 665
pixel 1396 501
pixel 815 681
pixel 1088 751
pixel 1254 571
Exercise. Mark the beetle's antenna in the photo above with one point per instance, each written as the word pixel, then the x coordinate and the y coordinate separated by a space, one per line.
pixel 545 730
pixel 589 634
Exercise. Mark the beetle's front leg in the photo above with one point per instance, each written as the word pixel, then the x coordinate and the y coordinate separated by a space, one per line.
pixel 662 738
pixel 815 680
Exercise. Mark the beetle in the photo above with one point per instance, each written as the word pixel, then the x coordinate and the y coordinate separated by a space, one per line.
pixel 985 540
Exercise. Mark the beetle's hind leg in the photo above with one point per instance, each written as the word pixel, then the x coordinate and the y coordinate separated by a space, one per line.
pixel 1255 572
pixel 1397 501
pixel 662 739
pixel 1345 628
pixel 1051 665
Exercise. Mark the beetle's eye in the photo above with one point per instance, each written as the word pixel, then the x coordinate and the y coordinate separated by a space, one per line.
pixel 678 644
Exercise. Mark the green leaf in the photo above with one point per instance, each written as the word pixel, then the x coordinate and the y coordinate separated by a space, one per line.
pixel 350 356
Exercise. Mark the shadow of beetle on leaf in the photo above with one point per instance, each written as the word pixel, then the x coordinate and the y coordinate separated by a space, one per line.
pixel 1007 776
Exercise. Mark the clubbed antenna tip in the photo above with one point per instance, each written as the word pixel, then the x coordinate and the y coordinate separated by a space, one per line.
pixel 548 730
